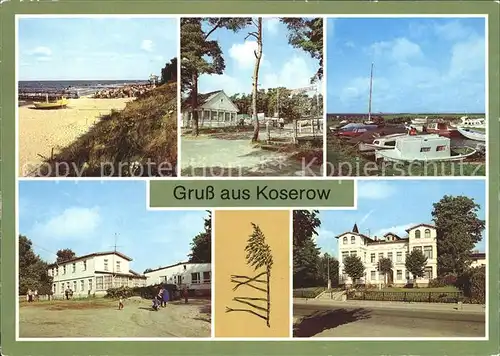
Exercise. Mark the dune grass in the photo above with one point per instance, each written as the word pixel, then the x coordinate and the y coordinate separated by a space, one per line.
pixel 140 140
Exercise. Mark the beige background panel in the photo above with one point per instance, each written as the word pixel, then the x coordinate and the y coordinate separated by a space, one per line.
pixel 232 230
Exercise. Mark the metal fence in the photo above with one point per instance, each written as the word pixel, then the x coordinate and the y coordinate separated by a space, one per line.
pixel 423 297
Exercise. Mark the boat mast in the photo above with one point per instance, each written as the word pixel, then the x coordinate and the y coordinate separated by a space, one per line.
pixel 370 98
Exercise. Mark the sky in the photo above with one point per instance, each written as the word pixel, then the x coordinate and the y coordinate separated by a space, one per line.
pixel 394 206
pixel 281 64
pixel 85 216
pixel 421 65
pixel 106 48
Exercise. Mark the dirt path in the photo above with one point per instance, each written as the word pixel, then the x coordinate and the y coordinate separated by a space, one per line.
pixel 210 156
pixel 137 319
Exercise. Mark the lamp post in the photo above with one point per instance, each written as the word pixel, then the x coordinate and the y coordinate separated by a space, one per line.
pixel 329 283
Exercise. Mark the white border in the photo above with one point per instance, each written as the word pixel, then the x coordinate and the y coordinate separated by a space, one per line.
pixel 356 179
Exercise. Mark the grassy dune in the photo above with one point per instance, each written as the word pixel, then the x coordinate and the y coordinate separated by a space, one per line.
pixel 140 140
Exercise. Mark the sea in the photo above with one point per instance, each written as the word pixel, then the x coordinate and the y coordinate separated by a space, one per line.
pixel 81 87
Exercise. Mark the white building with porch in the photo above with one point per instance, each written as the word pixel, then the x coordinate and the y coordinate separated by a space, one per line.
pixel 215 109
pixel 195 276
pixel 93 274
pixel 392 246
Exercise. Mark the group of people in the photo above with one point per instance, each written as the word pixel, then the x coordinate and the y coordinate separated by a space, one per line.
pixel 128 91
pixel 32 295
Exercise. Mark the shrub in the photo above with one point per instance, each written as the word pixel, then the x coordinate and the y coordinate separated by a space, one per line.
pixel 148 292
pixel 473 284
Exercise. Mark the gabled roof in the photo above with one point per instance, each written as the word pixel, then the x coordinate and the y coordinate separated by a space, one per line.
pixel 90 255
pixel 175 265
pixel 354 233
pixel 414 227
pixel 393 234
pixel 202 98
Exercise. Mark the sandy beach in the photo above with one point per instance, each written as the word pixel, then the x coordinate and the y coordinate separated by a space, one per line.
pixel 40 131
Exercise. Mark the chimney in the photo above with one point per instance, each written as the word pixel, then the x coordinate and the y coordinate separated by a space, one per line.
pixel 375 238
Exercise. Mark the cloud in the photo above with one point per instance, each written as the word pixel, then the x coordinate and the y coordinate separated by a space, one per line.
pixel 399 230
pixel 375 190
pixel 41 51
pixel 272 25
pixel 72 223
pixel 243 54
pixel 295 73
pixel 399 49
pixel 147 45
pixel 452 31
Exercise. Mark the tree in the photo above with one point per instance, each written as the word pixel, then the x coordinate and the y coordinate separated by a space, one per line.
pixel 65 255
pixel 307 34
pixel 458 230
pixel 32 269
pixel 169 72
pixel 257 34
pixel 353 267
pixel 199 55
pixel 384 266
pixel 201 246
pixel 329 264
pixel 258 256
pixel 306 258
pixel 415 263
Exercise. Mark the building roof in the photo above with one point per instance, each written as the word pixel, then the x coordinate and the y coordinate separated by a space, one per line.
pixel 478 255
pixel 202 99
pixel 174 265
pixel 90 255
pixel 354 233
pixel 381 242
pixel 414 227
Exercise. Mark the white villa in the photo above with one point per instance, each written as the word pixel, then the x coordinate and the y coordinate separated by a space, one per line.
pixel 215 109
pixel 94 274
pixel 195 276
pixel 392 246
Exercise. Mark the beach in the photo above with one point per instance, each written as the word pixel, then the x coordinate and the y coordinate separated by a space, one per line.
pixel 43 132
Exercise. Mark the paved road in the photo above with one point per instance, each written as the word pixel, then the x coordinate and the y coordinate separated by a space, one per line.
pixel 332 321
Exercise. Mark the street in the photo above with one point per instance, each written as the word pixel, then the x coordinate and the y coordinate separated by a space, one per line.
pixel 323 320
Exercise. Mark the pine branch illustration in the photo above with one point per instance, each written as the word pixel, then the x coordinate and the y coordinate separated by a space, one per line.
pixel 258 255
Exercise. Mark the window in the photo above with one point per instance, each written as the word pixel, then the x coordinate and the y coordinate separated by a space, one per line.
pixel 74 267
pixel 57 271
pixel 389 255
pixel 344 254
pixel 399 274
pixel 417 234
pixel 195 277
pixel 107 282
pixel 419 248
pixel 84 263
pixel 372 275
pixel 74 286
pixel 345 240
pixel 90 284
pixel 399 256
pixel 364 257
pixel 354 253
pixel 99 283
pixel 105 265
pixel 372 258
pixel 428 273
pixel 428 252
pixel 206 277
pixel 380 256
pixel 64 269
pixel 440 148
pixel 353 240
pixel 82 285
pixel 425 149
pixel 407 275
pixel 54 288
pixel 427 233
pixel 62 287
pixel 185 267
pixel 117 266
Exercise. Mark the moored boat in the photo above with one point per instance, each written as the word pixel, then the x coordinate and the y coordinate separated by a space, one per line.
pixel 47 105
pixel 472 134
pixel 423 148
pixel 442 129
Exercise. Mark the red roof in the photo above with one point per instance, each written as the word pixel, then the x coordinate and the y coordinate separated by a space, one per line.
pixel 426 225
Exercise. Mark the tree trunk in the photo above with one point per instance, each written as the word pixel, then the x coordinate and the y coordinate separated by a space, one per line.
pixel 268 289
pixel 194 103
pixel 258 56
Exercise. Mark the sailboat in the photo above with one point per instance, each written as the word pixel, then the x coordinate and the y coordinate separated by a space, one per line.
pixel 370 122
